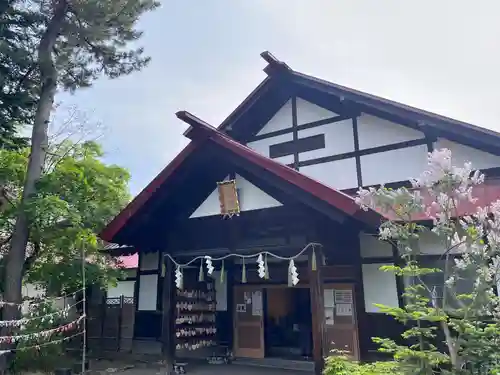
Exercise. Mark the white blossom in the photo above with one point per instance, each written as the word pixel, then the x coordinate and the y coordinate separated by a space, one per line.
pixel 460 264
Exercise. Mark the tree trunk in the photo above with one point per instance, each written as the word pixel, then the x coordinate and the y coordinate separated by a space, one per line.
pixel 17 251
pixel 456 362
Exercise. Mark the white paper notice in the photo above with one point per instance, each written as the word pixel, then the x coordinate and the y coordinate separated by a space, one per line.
pixel 329 317
pixel 328 298
pixel 343 296
pixel 257 303
pixel 343 309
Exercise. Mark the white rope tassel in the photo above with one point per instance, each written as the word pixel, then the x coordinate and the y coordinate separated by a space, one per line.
pixel 241 256
pixel 210 266
pixel 293 274
pixel 179 278
pixel 261 267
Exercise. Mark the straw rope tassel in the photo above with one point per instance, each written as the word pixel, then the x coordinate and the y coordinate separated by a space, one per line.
pixel 314 265
pixel 201 275
pixel 243 273
pixel 266 269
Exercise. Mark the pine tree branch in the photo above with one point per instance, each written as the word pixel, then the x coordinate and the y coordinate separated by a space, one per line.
pixel 24 77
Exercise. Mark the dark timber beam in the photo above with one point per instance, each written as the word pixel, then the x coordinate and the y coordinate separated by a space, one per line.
pixel 168 316
pixel 274 65
pixel 318 319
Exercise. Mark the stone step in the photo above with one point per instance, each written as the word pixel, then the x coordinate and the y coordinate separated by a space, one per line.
pixel 278 363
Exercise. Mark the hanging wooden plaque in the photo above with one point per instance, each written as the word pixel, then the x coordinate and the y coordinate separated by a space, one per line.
pixel 228 198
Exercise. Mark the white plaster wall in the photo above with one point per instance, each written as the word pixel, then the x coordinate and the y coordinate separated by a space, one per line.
pixel 393 166
pixel 33 291
pixel 340 174
pixel 308 112
pixel 209 207
pixel 149 261
pixel 339 139
pixel 148 289
pixel 374 132
pixel 281 120
pixel 379 287
pixel 130 272
pixel 462 154
pixel 262 147
pixel 430 243
pixel 37 291
pixel 122 288
pixel 250 196
pixel 372 247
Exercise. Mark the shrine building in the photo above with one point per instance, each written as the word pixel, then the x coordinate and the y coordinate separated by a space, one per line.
pixel 278 178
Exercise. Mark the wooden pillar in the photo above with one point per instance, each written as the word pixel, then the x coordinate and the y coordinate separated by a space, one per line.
pixel 364 339
pixel 230 301
pixel 318 319
pixel 168 316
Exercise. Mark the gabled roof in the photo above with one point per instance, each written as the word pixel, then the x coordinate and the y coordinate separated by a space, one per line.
pixel 427 121
pixel 278 72
pixel 335 198
pixel 201 132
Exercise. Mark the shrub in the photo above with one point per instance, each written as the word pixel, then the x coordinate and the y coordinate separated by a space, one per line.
pixel 342 365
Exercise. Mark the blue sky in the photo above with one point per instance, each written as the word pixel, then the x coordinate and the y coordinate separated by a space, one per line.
pixel 441 56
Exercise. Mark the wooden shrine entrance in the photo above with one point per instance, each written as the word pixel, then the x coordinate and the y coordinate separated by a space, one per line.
pixel 333 318
pixel 341 329
pixel 248 322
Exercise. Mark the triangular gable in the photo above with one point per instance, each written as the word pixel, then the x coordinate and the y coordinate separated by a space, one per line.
pixel 345 135
pixel 374 132
pixel 280 74
pixel 308 112
pixel 250 198
pixel 281 120
pixel 304 189
pixel 482 146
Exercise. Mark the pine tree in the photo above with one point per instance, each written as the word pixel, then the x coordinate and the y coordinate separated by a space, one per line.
pixel 18 73
pixel 77 41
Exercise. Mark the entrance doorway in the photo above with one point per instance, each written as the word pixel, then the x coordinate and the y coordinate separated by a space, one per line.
pixel 272 321
pixel 248 321
pixel 288 323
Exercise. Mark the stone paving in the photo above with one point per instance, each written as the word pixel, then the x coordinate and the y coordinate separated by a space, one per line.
pixel 107 367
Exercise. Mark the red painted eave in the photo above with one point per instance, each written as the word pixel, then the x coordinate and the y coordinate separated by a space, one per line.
pixel 129 261
pixel 485 194
pixel 131 209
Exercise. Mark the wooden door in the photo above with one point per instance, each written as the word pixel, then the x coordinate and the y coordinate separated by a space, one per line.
pixel 248 322
pixel 341 329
